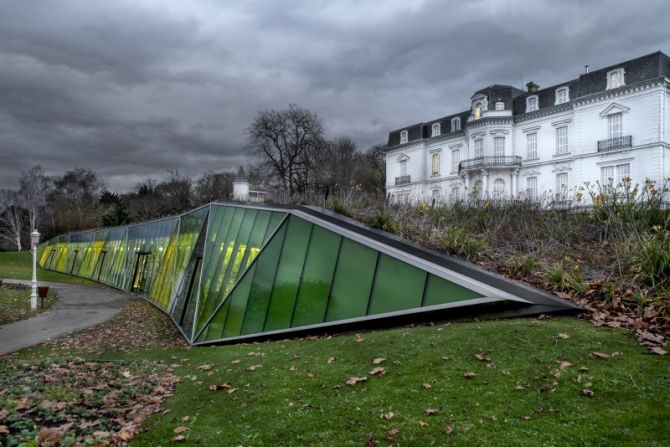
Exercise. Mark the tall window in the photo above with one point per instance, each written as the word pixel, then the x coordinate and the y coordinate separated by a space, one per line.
pixel 614 125
pixel 531 145
pixel 403 137
pixel 403 168
pixel 499 188
pixel 531 104
pixel 562 185
pixel 615 78
pixel 455 124
pixel 606 175
pixel 479 189
pixel 500 105
pixel 436 196
pixel 499 146
pixel 562 95
pixel 455 193
pixel 531 188
pixel 436 130
pixel 477 110
pixel 615 174
pixel 455 159
pixel 436 164
pixel 479 147
pixel 562 140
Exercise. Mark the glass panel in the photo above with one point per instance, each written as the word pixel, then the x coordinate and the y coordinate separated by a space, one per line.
pixel 238 303
pixel 441 291
pixel 239 252
pixel 189 230
pixel 317 278
pixel 289 272
pixel 161 288
pixel 353 280
pixel 261 289
pixel 397 286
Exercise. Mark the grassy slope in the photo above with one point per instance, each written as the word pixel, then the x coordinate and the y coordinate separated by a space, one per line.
pixel 298 397
pixel 17 265
pixel 15 303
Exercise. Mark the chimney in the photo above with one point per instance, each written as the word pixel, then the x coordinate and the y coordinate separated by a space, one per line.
pixel 586 69
pixel 532 87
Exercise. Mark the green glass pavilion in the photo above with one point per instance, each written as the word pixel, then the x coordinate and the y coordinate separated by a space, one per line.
pixel 230 271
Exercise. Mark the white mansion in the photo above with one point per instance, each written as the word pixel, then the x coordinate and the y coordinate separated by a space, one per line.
pixel 607 124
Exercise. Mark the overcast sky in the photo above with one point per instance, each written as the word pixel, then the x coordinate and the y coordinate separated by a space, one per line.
pixel 134 88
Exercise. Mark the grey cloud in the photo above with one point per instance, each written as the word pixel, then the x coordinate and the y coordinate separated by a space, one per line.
pixel 134 88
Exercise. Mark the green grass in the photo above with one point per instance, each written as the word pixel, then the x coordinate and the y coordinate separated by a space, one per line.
pixel 18 265
pixel 298 395
pixel 15 303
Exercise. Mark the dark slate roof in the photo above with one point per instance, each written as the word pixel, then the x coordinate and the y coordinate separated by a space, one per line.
pixel 644 68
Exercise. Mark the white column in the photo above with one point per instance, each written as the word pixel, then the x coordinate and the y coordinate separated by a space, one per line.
pixel 485 183
pixel 34 239
pixel 515 174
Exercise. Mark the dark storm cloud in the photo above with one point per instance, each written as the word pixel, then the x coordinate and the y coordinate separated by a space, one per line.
pixel 135 88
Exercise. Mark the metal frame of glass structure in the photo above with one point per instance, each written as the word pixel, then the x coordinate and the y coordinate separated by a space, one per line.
pixel 229 271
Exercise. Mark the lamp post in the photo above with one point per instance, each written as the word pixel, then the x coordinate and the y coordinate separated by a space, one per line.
pixel 34 239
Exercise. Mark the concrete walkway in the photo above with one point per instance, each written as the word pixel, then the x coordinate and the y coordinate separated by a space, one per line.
pixel 76 307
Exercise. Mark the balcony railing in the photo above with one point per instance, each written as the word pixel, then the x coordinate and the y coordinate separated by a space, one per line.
pixel 612 144
pixel 496 161
pixel 403 180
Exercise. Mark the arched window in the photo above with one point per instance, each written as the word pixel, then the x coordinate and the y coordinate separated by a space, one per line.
pixel 531 103
pixel 455 124
pixel 499 188
pixel 403 137
pixel 436 130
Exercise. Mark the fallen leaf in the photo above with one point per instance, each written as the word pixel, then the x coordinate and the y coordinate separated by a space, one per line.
pixel 49 437
pixel 391 433
pixel 586 393
pixel 482 356
pixel 231 391
pixel 4 429
pixel 179 438
pixel 427 386
pixel 253 368
pixel 599 355
pixel 563 335
pixel 220 386
pixel 658 350
pixel 331 360
pixel 565 364
pixel 378 371
pixel 431 411
pixel 355 380
pixel 583 369
pixel 206 366
pixel 423 424
pixel 388 416
pixel 378 361
pixel 470 374
pixel 448 429
pixel 180 429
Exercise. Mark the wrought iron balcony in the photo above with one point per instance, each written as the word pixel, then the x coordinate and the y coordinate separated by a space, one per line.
pixel 496 161
pixel 612 144
pixel 403 180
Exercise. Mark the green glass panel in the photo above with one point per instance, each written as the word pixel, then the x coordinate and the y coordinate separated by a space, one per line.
pixel 317 278
pixel 238 252
pixel 190 227
pixel 238 302
pixel 219 226
pixel 161 287
pixel 275 220
pixel 289 272
pixel 353 280
pixel 397 286
pixel 441 291
pixel 263 283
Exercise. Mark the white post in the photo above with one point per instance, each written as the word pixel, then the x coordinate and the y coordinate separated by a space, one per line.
pixel 34 239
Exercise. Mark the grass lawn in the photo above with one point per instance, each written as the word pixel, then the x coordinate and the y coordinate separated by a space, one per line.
pixel 18 265
pixel 15 303
pixel 555 381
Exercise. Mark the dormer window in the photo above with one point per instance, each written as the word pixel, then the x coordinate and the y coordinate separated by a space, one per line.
pixel 531 103
pixel 477 110
pixel 500 105
pixel 436 130
pixel 403 137
pixel 562 95
pixel 455 124
pixel 615 78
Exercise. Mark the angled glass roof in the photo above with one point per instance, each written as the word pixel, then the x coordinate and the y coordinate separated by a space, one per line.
pixel 228 272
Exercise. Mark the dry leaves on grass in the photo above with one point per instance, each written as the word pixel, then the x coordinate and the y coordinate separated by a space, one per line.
pixel 80 402
pixel 138 327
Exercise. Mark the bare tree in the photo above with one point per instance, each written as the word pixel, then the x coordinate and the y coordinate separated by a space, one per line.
pixel 11 217
pixel 285 140
pixel 75 198
pixel 33 189
pixel 214 186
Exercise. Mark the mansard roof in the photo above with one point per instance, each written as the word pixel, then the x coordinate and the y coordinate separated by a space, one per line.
pixel 644 68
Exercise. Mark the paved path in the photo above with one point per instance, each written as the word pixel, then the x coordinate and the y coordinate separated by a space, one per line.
pixel 77 307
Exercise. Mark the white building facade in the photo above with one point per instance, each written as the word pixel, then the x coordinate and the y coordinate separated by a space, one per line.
pixel 604 126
